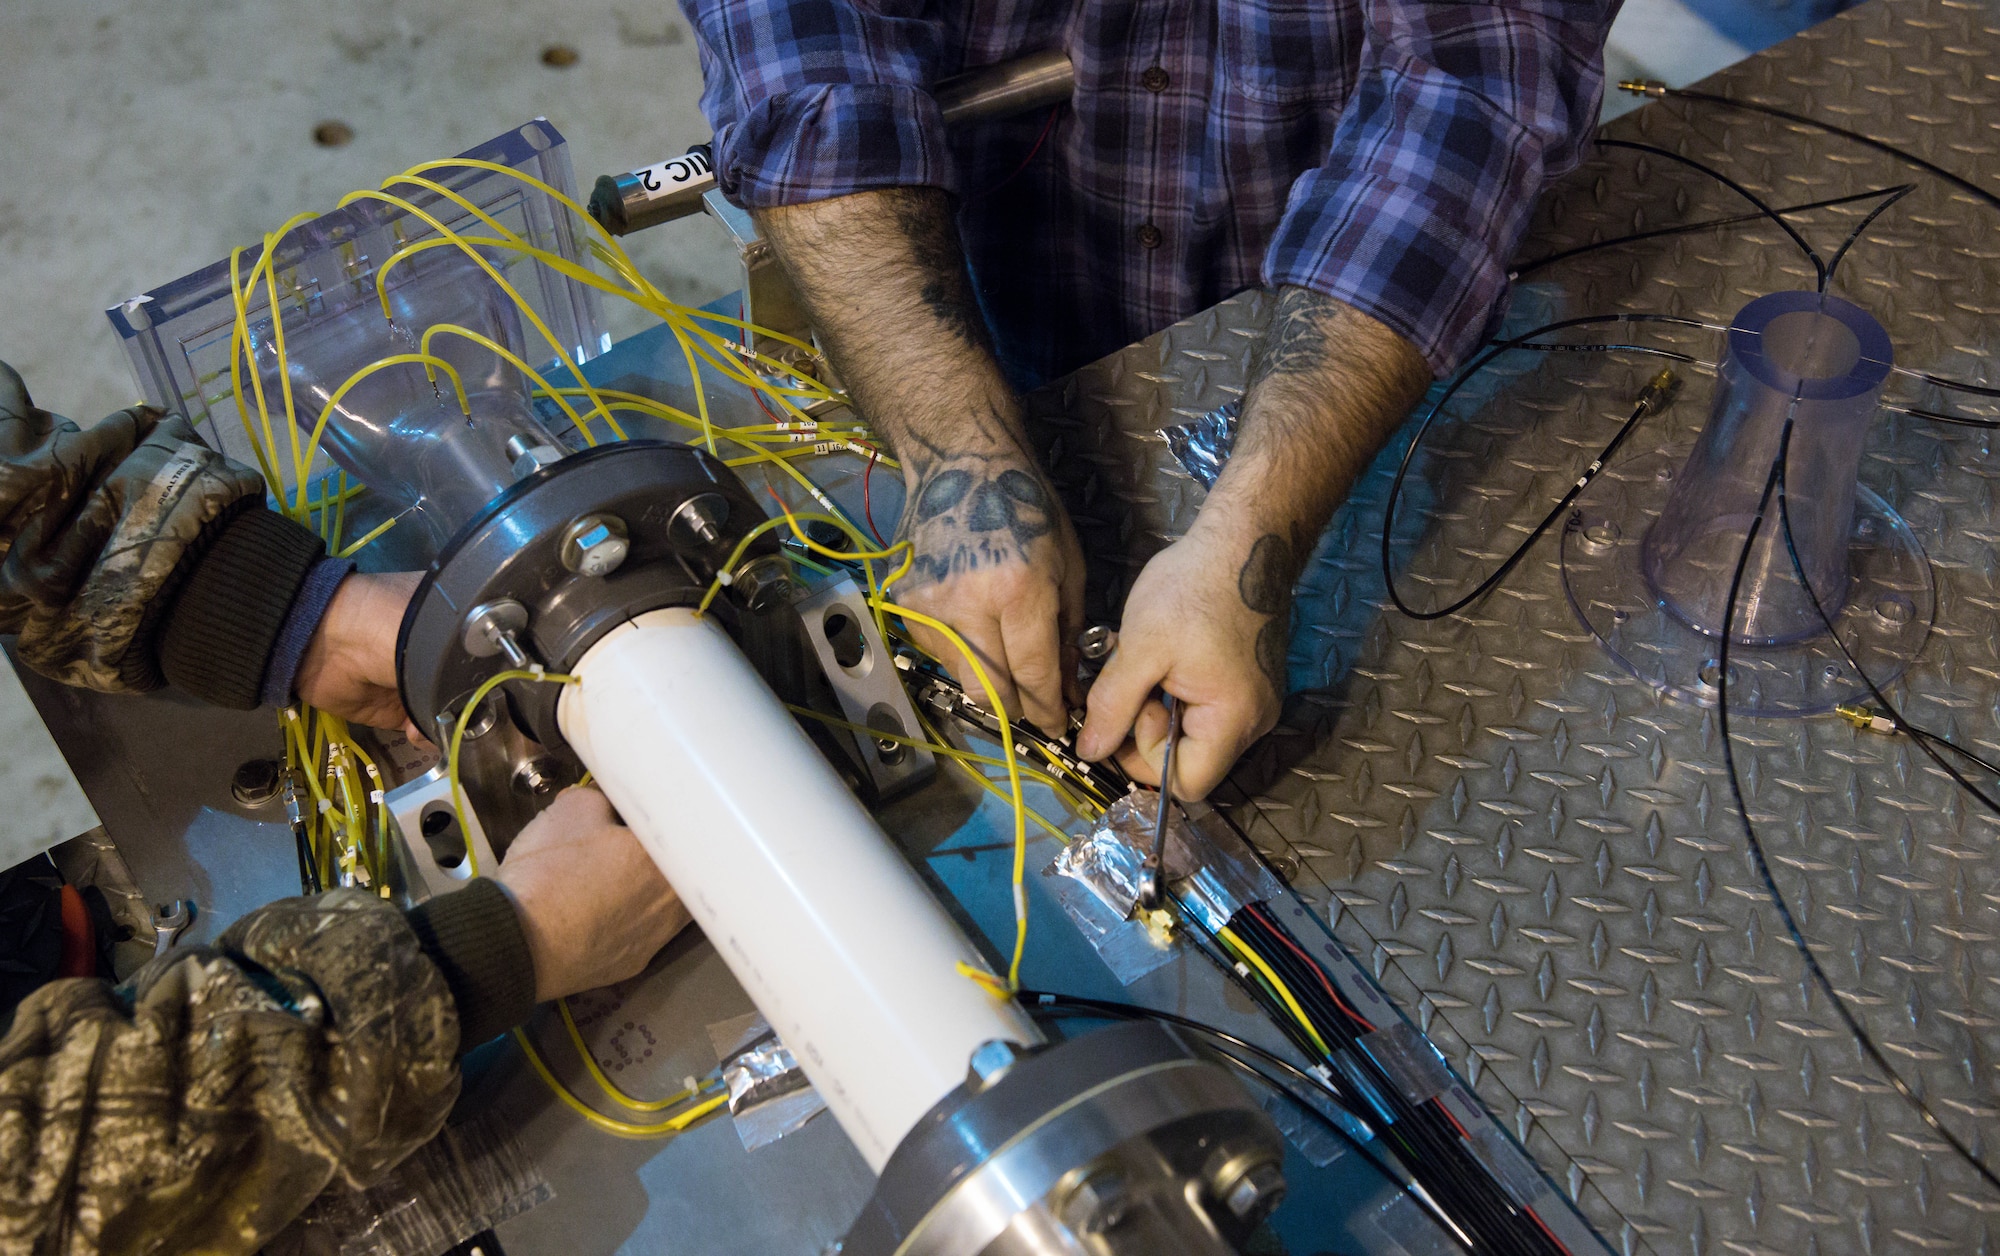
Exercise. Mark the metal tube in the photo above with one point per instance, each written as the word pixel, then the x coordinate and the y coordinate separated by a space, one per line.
pixel 674 188
pixel 1036 81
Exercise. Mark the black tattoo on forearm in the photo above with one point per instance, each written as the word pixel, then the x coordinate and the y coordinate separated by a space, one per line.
pixel 1265 585
pixel 884 278
pixel 924 217
pixel 1296 343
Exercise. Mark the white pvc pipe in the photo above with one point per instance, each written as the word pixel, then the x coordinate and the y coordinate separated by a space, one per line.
pixel 825 923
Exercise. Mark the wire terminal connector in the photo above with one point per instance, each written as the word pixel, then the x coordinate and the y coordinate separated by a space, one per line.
pixel 1659 392
pixel 1865 718
pixel 1643 87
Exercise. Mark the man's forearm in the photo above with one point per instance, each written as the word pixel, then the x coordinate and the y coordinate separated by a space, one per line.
pixel 884 280
pixel 1327 387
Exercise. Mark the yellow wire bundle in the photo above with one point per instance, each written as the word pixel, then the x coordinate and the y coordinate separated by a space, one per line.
pixel 347 824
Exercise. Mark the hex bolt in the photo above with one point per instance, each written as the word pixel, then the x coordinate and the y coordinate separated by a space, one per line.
pixel 536 777
pixel 257 782
pixel 1251 1193
pixel 762 584
pixel 595 544
pixel 527 457
pixel 1097 641
pixel 699 521
pixel 991 1061
pixel 1095 1204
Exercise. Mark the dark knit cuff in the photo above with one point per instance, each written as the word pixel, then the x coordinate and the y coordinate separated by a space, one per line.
pixel 301 622
pixel 218 637
pixel 474 937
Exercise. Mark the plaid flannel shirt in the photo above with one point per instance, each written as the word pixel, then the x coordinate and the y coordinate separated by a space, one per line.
pixel 1384 152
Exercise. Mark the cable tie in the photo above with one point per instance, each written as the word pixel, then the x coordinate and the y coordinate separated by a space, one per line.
pixel 325 805
pixel 724 579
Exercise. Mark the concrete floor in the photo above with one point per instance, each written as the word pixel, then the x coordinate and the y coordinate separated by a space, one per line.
pixel 139 142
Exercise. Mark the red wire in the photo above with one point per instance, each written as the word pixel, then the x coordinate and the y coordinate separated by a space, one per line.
pixel 1539 1223
pixel 1039 141
pixel 1545 1230
pixel 1285 940
pixel 867 500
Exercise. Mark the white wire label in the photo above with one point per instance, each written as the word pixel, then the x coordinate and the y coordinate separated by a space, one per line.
pixel 667 177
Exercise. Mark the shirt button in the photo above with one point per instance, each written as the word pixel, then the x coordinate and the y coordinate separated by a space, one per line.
pixel 1154 80
pixel 1150 237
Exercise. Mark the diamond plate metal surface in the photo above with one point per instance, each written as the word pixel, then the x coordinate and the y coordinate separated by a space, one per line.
pixel 1533 850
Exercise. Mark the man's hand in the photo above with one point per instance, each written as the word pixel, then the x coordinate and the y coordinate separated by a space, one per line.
pixel 997 559
pixel 884 280
pixel 349 667
pixel 1209 620
pixel 592 903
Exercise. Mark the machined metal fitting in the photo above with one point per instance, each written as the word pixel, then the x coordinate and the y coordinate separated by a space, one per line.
pixel 1097 642
pixel 699 521
pixel 763 584
pixel 990 1062
pixel 1095 1204
pixel 595 544
pixel 490 629
pixel 528 458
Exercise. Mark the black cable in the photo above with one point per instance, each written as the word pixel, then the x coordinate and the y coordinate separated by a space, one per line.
pixel 1756 847
pixel 1978 390
pixel 1923 734
pixel 1422 1132
pixel 1922 737
pixel 1640 411
pixel 1956 420
pixel 1551 347
pixel 1072 1005
pixel 1881 146
pixel 1763 207
pixel 1446 1193
pixel 1895 194
pixel 1529 267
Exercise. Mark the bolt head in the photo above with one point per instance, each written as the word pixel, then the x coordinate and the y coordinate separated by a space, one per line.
pixel 763 584
pixel 1253 1195
pixel 1096 642
pixel 536 777
pixel 990 1062
pixel 595 545
pixel 257 782
pixel 1095 1204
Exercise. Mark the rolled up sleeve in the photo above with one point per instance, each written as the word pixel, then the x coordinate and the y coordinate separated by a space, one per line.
pixel 1461 114
pixel 820 98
